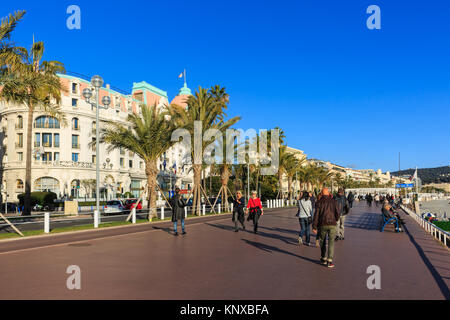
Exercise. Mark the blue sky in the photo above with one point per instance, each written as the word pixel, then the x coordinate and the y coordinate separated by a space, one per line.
pixel 340 92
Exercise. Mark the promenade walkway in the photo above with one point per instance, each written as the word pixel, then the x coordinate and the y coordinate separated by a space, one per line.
pixel 213 262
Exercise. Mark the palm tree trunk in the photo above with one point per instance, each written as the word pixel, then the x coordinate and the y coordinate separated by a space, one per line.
pixel 224 179
pixel 289 188
pixel 151 172
pixel 27 198
pixel 197 188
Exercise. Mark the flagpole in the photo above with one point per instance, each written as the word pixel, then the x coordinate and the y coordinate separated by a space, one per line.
pixel 185 78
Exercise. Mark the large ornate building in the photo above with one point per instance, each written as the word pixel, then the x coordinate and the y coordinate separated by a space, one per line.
pixel 64 158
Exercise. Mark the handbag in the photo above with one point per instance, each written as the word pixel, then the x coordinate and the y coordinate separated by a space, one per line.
pixel 309 217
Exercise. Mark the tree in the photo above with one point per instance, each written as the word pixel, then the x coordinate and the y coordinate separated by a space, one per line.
pixel 35 84
pixel 204 106
pixel 10 56
pixel 291 166
pixel 149 136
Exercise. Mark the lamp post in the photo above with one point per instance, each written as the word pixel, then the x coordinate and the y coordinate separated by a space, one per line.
pixel 97 83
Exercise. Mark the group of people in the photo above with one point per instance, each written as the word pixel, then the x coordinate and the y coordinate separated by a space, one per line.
pixel 325 215
pixel 254 210
pixel 377 199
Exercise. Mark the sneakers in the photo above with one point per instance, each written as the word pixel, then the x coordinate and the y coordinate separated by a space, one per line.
pixel 236 230
pixel 184 232
pixel 323 261
pixel 330 264
pixel 300 241
pixel 175 234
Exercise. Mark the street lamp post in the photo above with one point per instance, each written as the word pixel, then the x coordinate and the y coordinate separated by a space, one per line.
pixel 97 83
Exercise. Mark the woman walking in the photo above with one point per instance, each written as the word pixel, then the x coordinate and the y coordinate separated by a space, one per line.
pixel 305 211
pixel 255 210
pixel 238 211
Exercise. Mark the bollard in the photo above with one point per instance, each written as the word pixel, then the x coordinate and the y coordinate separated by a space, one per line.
pixel 47 222
pixel 96 219
pixel 204 209
pixel 268 204
pixel 162 213
pixel 219 208
pixel 231 207
pixel 133 217
pixel 185 212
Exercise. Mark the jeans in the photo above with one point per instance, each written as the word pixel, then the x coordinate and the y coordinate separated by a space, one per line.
pixel 255 222
pixel 175 225
pixel 304 229
pixel 325 231
pixel 340 229
pixel 350 204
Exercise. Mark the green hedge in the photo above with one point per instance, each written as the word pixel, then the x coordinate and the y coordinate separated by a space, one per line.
pixel 82 204
pixel 42 198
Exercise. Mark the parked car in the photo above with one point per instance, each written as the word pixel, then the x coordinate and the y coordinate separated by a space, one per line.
pixel 113 206
pixel 131 203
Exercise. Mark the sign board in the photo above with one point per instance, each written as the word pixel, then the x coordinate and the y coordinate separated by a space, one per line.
pixel 404 185
pixel 71 207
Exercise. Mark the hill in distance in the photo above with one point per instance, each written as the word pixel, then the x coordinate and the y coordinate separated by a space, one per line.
pixel 428 175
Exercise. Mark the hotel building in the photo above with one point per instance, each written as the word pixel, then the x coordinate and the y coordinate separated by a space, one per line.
pixel 64 157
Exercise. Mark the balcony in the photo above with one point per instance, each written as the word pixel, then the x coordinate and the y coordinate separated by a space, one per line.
pixel 75 145
pixel 76 128
pixel 19 144
pixel 55 164
pixel 18 125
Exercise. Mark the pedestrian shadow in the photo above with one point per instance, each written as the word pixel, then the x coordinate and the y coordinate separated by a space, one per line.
pixel 289 231
pixel 366 221
pixel 270 249
pixel 165 229
pixel 286 240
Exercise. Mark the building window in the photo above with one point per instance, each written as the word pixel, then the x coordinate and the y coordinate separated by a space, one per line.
pixel 46 139
pixel 94 145
pixel 121 162
pixel 75 124
pixel 56 145
pixel 122 151
pixel 94 159
pixel 47 157
pixel 94 126
pixel 46 122
pixel 46 184
pixel 19 184
pixel 56 156
pixel 19 143
pixel 19 124
pixel 75 157
pixel 37 139
pixel 75 188
pixel 75 141
pixel 129 108
pixel 74 88
pixel 20 156
pixel 135 188
pixel 130 163
pixel 74 102
pixel 141 165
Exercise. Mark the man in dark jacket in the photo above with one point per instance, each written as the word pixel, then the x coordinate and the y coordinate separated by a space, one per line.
pixel 351 198
pixel 344 208
pixel 325 218
pixel 177 203
pixel 238 211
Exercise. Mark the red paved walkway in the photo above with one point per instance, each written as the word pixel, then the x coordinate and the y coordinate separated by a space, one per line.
pixel 213 262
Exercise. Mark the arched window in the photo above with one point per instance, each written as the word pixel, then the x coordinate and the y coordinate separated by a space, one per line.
pixel 75 188
pixel 75 124
pixel 46 122
pixel 46 184
pixel 94 126
pixel 19 184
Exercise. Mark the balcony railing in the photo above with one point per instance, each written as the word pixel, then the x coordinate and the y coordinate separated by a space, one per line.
pixel 19 126
pixel 68 164
pixel 19 144
pixel 75 146
pixel 76 128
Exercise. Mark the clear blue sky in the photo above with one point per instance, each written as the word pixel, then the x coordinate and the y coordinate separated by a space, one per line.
pixel 341 92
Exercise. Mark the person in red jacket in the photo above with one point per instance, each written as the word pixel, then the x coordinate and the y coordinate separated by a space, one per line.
pixel 255 210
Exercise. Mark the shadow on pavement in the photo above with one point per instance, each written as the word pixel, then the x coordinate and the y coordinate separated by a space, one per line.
pixel 267 248
pixel 437 277
pixel 366 221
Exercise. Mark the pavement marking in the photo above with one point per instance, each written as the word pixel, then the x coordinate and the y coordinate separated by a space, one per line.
pixel 99 238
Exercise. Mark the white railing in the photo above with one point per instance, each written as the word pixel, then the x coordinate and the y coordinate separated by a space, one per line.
pixel 439 234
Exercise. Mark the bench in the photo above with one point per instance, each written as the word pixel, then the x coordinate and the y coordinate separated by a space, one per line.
pixel 385 221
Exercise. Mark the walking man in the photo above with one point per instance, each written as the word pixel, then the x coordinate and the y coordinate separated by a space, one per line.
pixel 344 208
pixel 325 219
pixel 351 198
pixel 177 203
pixel 238 211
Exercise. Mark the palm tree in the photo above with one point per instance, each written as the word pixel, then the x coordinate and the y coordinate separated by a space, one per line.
pixel 35 84
pixel 291 166
pixel 208 107
pixel 149 136
pixel 10 56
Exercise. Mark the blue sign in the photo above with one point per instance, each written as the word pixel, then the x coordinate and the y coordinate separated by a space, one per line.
pixel 404 185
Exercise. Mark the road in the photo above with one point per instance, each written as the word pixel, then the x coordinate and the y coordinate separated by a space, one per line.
pixel 213 262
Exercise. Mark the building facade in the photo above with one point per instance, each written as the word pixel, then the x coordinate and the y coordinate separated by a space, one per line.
pixel 64 157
